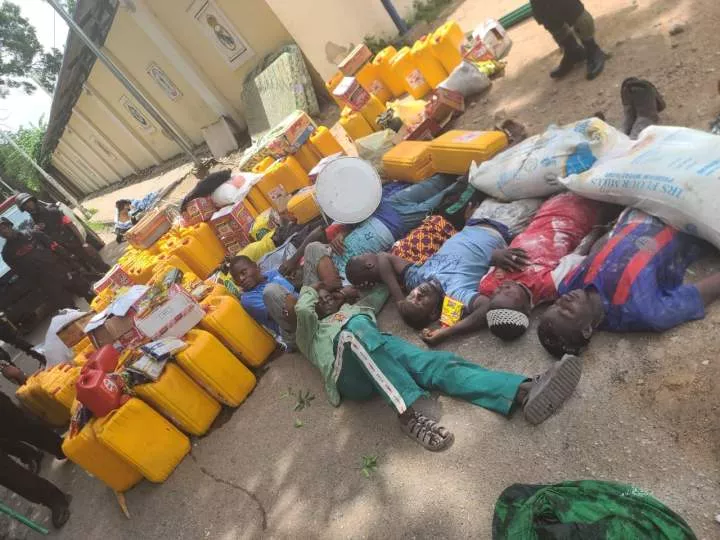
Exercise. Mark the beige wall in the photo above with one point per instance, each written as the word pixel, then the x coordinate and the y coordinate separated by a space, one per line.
pixel 324 28
pixel 255 22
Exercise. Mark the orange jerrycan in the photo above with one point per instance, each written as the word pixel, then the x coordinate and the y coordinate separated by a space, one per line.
pixel 180 400
pixel 143 438
pixel 215 368
pixel 229 322
pixel 85 450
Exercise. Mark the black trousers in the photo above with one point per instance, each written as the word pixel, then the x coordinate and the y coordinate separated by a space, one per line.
pixel 553 14
pixel 17 433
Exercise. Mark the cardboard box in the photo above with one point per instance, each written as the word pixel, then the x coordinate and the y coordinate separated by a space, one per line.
pixel 289 135
pixel 232 220
pixel 352 94
pixel 444 101
pixel 478 51
pixel 115 278
pixel 175 317
pixel 357 58
pixel 426 130
pixel 119 331
pixel 74 332
pixel 198 210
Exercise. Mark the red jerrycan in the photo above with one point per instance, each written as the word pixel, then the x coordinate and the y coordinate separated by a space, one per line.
pixel 100 392
pixel 105 359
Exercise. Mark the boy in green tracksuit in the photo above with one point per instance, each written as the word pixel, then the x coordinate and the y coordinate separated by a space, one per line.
pixel 357 361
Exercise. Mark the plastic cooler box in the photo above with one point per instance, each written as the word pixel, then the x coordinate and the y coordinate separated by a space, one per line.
pixel 141 437
pixel 210 364
pixel 88 452
pixel 410 161
pixel 453 152
pixel 176 396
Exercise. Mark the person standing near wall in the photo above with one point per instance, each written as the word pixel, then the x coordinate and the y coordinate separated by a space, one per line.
pixel 568 20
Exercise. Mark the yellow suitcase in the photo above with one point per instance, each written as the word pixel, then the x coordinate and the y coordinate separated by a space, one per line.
pixel 176 396
pixel 453 151
pixel 229 322
pixel 143 438
pixel 409 161
pixel 215 368
pixel 303 206
pixel 85 450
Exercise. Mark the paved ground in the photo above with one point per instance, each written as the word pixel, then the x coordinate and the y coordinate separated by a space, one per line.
pixel 645 412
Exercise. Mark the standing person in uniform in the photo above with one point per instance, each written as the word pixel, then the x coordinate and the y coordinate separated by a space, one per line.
pixel 17 434
pixel 10 335
pixel 568 20
pixel 35 257
pixel 60 228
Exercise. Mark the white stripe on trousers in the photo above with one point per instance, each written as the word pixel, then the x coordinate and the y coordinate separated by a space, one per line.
pixel 370 365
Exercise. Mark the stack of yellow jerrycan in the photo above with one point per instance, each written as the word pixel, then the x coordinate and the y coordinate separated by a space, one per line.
pixel 404 67
pixel 371 80
pixel 138 264
pixel 410 161
pixel 446 43
pixel 429 65
pixel 102 462
pixel 355 124
pixel 201 258
pixel 324 142
pixel 454 151
pixel 390 78
pixel 141 437
pixel 215 368
pixel 49 393
pixel 180 400
pixel 229 322
pixel 307 157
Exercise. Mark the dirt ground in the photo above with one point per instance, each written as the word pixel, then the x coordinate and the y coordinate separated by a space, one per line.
pixel 645 413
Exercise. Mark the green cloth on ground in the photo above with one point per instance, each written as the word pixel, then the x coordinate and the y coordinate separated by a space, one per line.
pixel 372 362
pixel 315 337
pixel 584 510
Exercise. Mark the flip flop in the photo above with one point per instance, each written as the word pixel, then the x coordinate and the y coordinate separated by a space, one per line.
pixel 551 389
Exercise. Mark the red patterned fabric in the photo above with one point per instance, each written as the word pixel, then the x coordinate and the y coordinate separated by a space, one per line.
pixel 422 243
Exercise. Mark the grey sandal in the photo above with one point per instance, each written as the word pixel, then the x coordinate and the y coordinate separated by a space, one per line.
pixel 427 432
pixel 551 389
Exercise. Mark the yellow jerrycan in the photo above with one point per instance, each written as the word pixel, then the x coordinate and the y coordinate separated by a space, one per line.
pixel 325 143
pixel 215 368
pixel 229 322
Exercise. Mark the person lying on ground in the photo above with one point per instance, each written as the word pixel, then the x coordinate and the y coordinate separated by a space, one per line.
pixel 357 360
pixel 265 294
pixel 548 244
pixel 632 283
pixel 455 269
pixel 402 208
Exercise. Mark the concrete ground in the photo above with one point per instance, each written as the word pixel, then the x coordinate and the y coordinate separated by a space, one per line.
pixel 645 412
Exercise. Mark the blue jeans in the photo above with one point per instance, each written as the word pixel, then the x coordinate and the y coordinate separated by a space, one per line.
pixel 414 203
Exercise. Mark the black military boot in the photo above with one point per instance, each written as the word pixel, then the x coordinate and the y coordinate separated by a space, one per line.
pixel 595 59
pixel 573 54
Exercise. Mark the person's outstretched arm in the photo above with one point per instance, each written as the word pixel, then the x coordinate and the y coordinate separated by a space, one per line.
pixel 709 289
pixel 317 235
pixel 475 320
pixel 390 267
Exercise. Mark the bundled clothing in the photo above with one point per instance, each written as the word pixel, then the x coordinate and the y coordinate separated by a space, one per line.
pixel 584 510
pixel 425 240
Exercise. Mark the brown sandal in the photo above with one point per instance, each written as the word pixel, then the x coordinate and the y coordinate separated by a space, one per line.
pixel 427 432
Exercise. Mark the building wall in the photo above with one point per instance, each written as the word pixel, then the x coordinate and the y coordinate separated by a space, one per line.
pixel 326 29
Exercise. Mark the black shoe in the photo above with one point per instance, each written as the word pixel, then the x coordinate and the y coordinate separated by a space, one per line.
pixel 595 59
pixel 551 389
pixel 573 54
pixel 61 512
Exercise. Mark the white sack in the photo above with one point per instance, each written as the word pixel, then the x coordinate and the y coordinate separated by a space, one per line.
pixel 532 168
pixel 467 79
pixel 670 172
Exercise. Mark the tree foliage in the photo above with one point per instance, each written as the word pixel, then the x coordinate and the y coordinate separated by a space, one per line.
pixel 21 54
pixel 15 170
